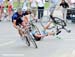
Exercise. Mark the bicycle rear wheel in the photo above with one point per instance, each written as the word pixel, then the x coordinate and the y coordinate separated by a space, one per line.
pixel 27 41
pixel 60 21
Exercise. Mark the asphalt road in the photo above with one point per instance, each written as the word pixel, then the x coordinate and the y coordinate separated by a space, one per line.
pixel 12 46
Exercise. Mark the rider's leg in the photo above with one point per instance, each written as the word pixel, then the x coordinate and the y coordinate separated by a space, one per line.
pixel 51 33
pixel 47 25
pixel 20 33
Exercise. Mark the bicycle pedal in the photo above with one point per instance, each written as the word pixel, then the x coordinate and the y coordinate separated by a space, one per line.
pixel 58 32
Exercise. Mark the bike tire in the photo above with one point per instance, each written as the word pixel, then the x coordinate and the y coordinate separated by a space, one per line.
pixel 27 41
pixel 60 21
pixel 34 43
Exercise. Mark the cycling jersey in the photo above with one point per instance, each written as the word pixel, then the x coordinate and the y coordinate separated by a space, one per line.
pixel 18 18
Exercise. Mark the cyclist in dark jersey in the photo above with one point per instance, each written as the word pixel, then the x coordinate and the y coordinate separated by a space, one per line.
pixel 17 19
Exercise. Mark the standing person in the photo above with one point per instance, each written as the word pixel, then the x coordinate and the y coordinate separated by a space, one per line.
pixel 53 4
pixel 12 1
pixel 64 6
pixel 33 5
pixel 40 8
pixel 1 8
pixel 9 10
pixel 25 5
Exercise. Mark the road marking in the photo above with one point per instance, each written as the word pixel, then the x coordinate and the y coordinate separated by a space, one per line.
pixel 7 43
pixel 12 55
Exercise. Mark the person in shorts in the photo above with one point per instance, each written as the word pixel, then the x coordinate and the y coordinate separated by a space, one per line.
pixel 64 6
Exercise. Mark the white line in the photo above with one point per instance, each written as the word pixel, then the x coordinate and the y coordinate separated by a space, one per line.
pixel 7 43
pixel 12 55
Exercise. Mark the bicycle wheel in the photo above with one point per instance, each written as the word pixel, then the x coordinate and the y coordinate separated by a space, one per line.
pixel 60 21
pixel 33 42
pixel 44 20
pixel 27 41
pixel 35 28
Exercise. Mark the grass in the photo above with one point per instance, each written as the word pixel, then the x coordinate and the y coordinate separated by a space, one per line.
pixel 16 4
pixel 47 5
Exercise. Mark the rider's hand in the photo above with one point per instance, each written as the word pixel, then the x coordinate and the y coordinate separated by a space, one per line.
pixel 17 27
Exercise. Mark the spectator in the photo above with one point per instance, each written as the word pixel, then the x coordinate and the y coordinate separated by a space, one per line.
pixel 9 10
pixel 40 8
pixel 64 5
pixel 53 4
pixel 1 8
pixel 24 7
pixel 33 4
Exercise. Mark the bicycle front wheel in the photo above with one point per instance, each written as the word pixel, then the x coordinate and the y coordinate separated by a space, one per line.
pixel 27 41
pixel 60 21
pixel 33 41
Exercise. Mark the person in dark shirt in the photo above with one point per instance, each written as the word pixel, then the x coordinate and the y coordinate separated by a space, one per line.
pixel 64 6
pixel 17 20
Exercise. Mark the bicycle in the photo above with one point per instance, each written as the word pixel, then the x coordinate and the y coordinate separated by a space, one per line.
pixel 58 23
pixel 28 35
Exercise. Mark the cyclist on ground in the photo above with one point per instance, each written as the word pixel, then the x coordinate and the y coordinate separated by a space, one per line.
pixel 43 33
pixel 35 34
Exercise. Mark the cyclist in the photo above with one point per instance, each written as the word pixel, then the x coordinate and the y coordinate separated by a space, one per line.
pixel 17 19
pixel 28 17
pixel 37 35
pixel 44 33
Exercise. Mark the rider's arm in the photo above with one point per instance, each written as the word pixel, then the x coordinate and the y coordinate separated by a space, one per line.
pixel 47 25
pixel 14 18
pixel 14 24
pixel 25 19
